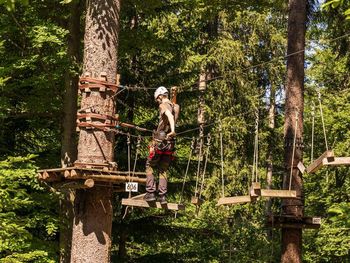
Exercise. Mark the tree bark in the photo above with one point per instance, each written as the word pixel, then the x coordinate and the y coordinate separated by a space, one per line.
pixel 292 238
pixel 69 144
pixel 91 237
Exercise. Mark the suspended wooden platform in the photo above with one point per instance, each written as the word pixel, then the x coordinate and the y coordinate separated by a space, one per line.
pixel 80 177
pixel 137 201
pixel 327 159
pixel 318 163
pixel 255 193
pixel 286 221
pixel 234 200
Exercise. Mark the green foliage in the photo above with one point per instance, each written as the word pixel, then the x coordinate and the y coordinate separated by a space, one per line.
pixel 11 4
pixel 169 43
pixel 29 225
pixel 336 4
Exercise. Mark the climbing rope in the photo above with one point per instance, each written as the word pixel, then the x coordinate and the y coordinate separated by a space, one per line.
pixel 256 149
pixel 187 167
pixel 323 125
pixel 138 145
pixel 312 130
pixel 222 160
pixel 200 156
pixel 129 160
pixel 293 152
pixel 205 164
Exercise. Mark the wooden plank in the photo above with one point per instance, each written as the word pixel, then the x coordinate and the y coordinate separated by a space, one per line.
pixel 234 200
pixel 143 203
pixel 278 193
pixel 138 196
pixel 318 163
pixel 337 161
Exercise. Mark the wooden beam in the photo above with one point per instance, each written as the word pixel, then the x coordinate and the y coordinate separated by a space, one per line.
pixel 78 174
pixel 143 203
pixel 318 163
pixel 110 178
pixel 337 161
pixel 91 170
pixel 234 200
pixel 278 193
pixel 83 184
pixel 49 177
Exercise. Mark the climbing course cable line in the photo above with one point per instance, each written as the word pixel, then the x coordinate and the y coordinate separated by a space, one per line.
pixel 244 69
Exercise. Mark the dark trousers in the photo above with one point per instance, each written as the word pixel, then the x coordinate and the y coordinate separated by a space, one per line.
pixel 161 162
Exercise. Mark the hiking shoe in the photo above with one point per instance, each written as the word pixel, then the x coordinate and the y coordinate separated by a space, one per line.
pixel 149 197
pixel 162 200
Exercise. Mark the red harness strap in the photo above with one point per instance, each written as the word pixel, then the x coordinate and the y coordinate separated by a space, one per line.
pixel 164 152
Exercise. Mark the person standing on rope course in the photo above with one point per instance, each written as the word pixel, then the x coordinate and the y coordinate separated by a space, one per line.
pixel 162 147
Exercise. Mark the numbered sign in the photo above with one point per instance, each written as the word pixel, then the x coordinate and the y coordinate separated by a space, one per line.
pixel 131 187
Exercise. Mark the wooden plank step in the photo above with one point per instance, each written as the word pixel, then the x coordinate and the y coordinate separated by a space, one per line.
pixel 278 193
pixel 337 161
pixel 234 200
pixel 318 163
pixel 143 203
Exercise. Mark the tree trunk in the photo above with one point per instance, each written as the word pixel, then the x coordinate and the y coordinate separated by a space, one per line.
pixel 91 238
pixel 292 238
pixel 69 145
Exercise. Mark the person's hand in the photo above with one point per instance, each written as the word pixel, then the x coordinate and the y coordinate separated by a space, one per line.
pixel 170 135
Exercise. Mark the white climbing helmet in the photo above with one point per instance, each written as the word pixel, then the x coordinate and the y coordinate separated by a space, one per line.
pixel 160 91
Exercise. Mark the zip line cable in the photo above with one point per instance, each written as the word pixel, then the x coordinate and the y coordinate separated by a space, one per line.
pixel 273 60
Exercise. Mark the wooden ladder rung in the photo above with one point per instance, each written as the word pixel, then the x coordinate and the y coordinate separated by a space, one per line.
pixel 278 193
pixel 234 200
pixel 143 203
pixel 318 163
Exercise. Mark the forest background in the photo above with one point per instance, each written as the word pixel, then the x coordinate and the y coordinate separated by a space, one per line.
pixel 243 44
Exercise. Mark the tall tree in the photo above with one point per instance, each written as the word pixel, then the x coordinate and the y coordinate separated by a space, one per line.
pixel 91 238
pixel 293 126
pixel 69 144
